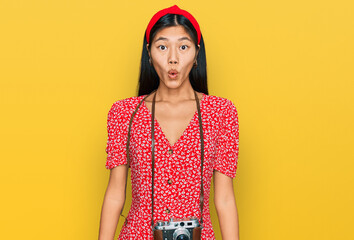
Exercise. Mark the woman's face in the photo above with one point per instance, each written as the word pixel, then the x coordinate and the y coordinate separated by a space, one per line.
pixel 172 55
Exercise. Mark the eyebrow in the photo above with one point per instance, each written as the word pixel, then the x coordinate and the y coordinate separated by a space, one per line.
pixel 166 39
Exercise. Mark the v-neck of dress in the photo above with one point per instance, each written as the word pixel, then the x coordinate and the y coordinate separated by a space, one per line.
pixel 185 130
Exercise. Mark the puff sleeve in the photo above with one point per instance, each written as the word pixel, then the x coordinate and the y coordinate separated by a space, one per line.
pixel 117 128
pixel 227 149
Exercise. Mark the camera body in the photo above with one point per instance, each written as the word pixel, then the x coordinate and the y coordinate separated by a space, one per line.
pixel 178 229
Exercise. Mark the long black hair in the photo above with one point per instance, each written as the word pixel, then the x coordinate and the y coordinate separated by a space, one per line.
pixel 149 79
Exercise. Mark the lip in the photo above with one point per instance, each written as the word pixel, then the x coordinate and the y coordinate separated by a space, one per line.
pixel 173 74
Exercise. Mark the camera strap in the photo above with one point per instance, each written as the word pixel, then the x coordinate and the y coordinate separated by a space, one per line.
pixel 201 199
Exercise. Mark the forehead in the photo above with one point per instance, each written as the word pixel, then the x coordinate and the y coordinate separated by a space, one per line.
pixel 172 33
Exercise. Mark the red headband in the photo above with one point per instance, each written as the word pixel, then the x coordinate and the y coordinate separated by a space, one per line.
pixel 176 10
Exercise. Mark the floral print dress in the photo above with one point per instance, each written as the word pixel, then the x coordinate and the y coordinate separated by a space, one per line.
pixel 177 167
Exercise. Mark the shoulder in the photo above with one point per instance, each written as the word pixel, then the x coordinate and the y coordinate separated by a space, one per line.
pixel 123 108
pixel 227 114
pixel 221 104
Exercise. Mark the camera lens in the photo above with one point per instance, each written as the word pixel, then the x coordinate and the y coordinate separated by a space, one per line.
pixel 182 237
pixel 181 234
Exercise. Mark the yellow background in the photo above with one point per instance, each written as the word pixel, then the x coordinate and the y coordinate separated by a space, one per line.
pixel 287 66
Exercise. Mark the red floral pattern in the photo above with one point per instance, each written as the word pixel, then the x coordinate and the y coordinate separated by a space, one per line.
pixel 177 168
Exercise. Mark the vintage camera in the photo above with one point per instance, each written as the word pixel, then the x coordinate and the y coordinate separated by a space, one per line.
pixel 178 229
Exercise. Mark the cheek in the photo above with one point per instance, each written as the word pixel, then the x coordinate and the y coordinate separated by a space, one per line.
pixel 158 62
pixel 158 67
pixel 189 59
pixel 187 64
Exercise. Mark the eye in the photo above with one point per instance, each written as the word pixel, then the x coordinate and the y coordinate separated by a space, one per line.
pixel 184 46
pixel 162 46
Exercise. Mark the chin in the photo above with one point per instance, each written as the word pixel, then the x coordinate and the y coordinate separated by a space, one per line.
pixel 171 83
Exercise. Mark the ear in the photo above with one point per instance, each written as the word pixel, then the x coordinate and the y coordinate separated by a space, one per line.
pixel 147 48
pixel 197 51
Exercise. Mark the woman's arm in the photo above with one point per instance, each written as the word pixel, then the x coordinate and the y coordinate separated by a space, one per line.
pixel 225 205
pixel 113 202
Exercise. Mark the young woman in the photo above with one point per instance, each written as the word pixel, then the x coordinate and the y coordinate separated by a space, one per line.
pixel 187 129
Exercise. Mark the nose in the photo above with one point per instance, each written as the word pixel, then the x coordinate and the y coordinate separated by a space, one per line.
pixel 173 59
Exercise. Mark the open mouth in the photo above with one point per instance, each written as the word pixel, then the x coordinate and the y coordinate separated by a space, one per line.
pixel 172 74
